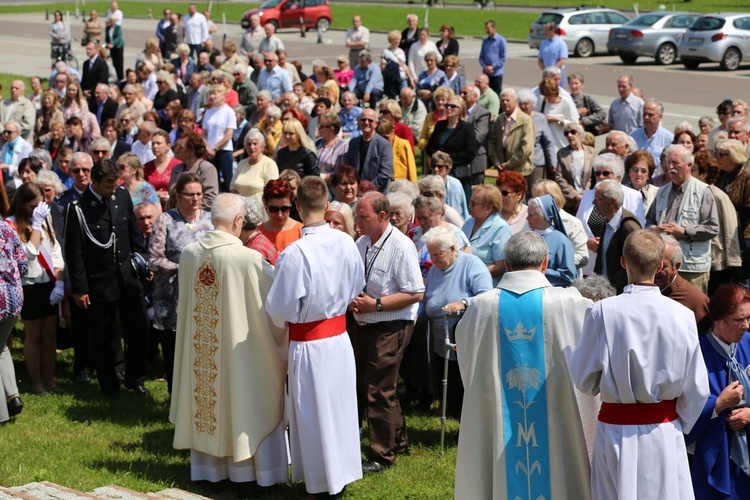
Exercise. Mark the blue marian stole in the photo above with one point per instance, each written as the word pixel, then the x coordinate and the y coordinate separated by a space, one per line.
pixel 522 374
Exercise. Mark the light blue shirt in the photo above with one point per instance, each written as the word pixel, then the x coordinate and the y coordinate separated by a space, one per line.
pixel 655 144
pixel 350 121
pixel 277 81
pixel 466 278
pixel 455 196
pixel 493 53
pixel 367 79
pixel 488 242
pixel 626 115
pixel 551 50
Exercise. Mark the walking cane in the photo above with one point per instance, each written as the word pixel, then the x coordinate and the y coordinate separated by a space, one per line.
pixel 449 346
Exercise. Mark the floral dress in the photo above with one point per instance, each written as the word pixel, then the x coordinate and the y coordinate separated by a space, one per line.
pixel 13 265
pixel 170 235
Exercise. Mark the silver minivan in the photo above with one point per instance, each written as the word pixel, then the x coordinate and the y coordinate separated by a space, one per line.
pixel 722 38
pixel 585 31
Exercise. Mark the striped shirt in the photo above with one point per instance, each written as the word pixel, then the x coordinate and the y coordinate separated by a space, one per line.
pixel 391 266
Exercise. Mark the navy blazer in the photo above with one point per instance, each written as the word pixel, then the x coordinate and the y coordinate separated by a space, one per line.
pixel 378 165
pixel 93 76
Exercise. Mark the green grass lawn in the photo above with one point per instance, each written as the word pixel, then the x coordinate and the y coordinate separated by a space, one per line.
pixel 467 22
pixel 80 440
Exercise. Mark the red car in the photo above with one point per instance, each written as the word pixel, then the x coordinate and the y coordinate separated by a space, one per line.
pixel 314 14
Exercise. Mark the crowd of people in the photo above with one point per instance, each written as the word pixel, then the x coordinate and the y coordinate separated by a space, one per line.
pixel 381 197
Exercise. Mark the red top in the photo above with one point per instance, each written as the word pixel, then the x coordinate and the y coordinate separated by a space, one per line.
pixel 232 98
pixel 403 131
pixel 159 181
pixel 263 245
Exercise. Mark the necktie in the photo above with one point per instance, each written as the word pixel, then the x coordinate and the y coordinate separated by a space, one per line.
pixel 597 223
pixel 738 450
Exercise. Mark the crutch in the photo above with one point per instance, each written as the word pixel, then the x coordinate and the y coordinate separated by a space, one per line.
pixel 449 346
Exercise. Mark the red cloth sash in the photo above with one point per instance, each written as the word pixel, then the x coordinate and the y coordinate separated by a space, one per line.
pixel 638 413
pixel 315 330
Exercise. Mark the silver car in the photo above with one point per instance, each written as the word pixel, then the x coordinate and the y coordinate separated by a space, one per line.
pixel 722 38
pixel 655 34
pixel 584 31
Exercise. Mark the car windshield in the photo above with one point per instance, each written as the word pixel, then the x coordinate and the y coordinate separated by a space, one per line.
pixel 270 4
pixel 644 20
pixel 549 17
pixel 708 24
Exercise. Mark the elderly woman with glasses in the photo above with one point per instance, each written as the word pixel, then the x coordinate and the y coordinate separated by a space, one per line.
pixel 455 196
pixel 454 279
pixel 254 172
pixel 639 168
pixel 487 231
pixel 456 137
pixel 331 148
pixel 454 79
pixel 132 105
pixel 131 175
pixel 271 127
pixel 574 163
pixel 440 99
pixel 720 464
pixel 402 212
pixel 390 111
pixel 280 229
pixel 251 237
pixel 173 230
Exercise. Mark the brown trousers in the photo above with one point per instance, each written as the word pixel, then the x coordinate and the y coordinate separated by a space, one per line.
pixel 379 348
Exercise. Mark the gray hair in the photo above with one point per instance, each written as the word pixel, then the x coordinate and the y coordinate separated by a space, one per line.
pixel 526 95
pixel 255 135
pixel 443 236
pixel 182 48
pixel 595 287
pixel 472 89
pixel 80 156
pixel 685 155
pixel 349 93
pixel 15 125
pixel 671 241
pixel 100 143
pixel 240 110
pixel 612 190
pixel 551 71
pixel 43 155
pixel 632 145
pixel 273 111
pixel 147 204
pixel 683 126
pixel 403 186
pixel 103 86
pixel 226 208
pixel 346 211
pixel 253 212
pixel 265 94
pixel 319 63
pixel 740 119
pixel 403 201
pixel 433 204
pixel 129 88
pixel 433 183
pixel 657 103
pixel 366 54
pixel 240 68
pixel 509 92
pixel 706 120
pixel 432 54
pixel 525 250
pixel 49 178
pixel 575 126
pixel 612 161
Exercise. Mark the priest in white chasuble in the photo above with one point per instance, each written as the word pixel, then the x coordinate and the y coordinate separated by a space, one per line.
pixel 526 432
pixel 230 360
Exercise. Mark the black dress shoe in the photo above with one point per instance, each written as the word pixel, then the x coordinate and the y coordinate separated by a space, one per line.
pixel 374 467
pixel 138 389
pixel 15 405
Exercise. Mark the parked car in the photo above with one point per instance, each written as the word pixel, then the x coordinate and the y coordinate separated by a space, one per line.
pixel 655 34
pixel 314 14
pixel 585 31
pixel 722 38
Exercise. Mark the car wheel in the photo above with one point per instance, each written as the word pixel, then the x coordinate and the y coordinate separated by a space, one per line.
pixel 731 59
pixel 629 59
pixel 666 54
pixel 323 24
pixel 690 64
pixel 584 47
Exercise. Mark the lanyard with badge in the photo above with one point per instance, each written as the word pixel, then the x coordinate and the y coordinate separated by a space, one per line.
pixel 368 268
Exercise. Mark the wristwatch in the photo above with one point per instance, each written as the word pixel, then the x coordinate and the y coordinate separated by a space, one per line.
pixel 465 303
pixel 378 305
